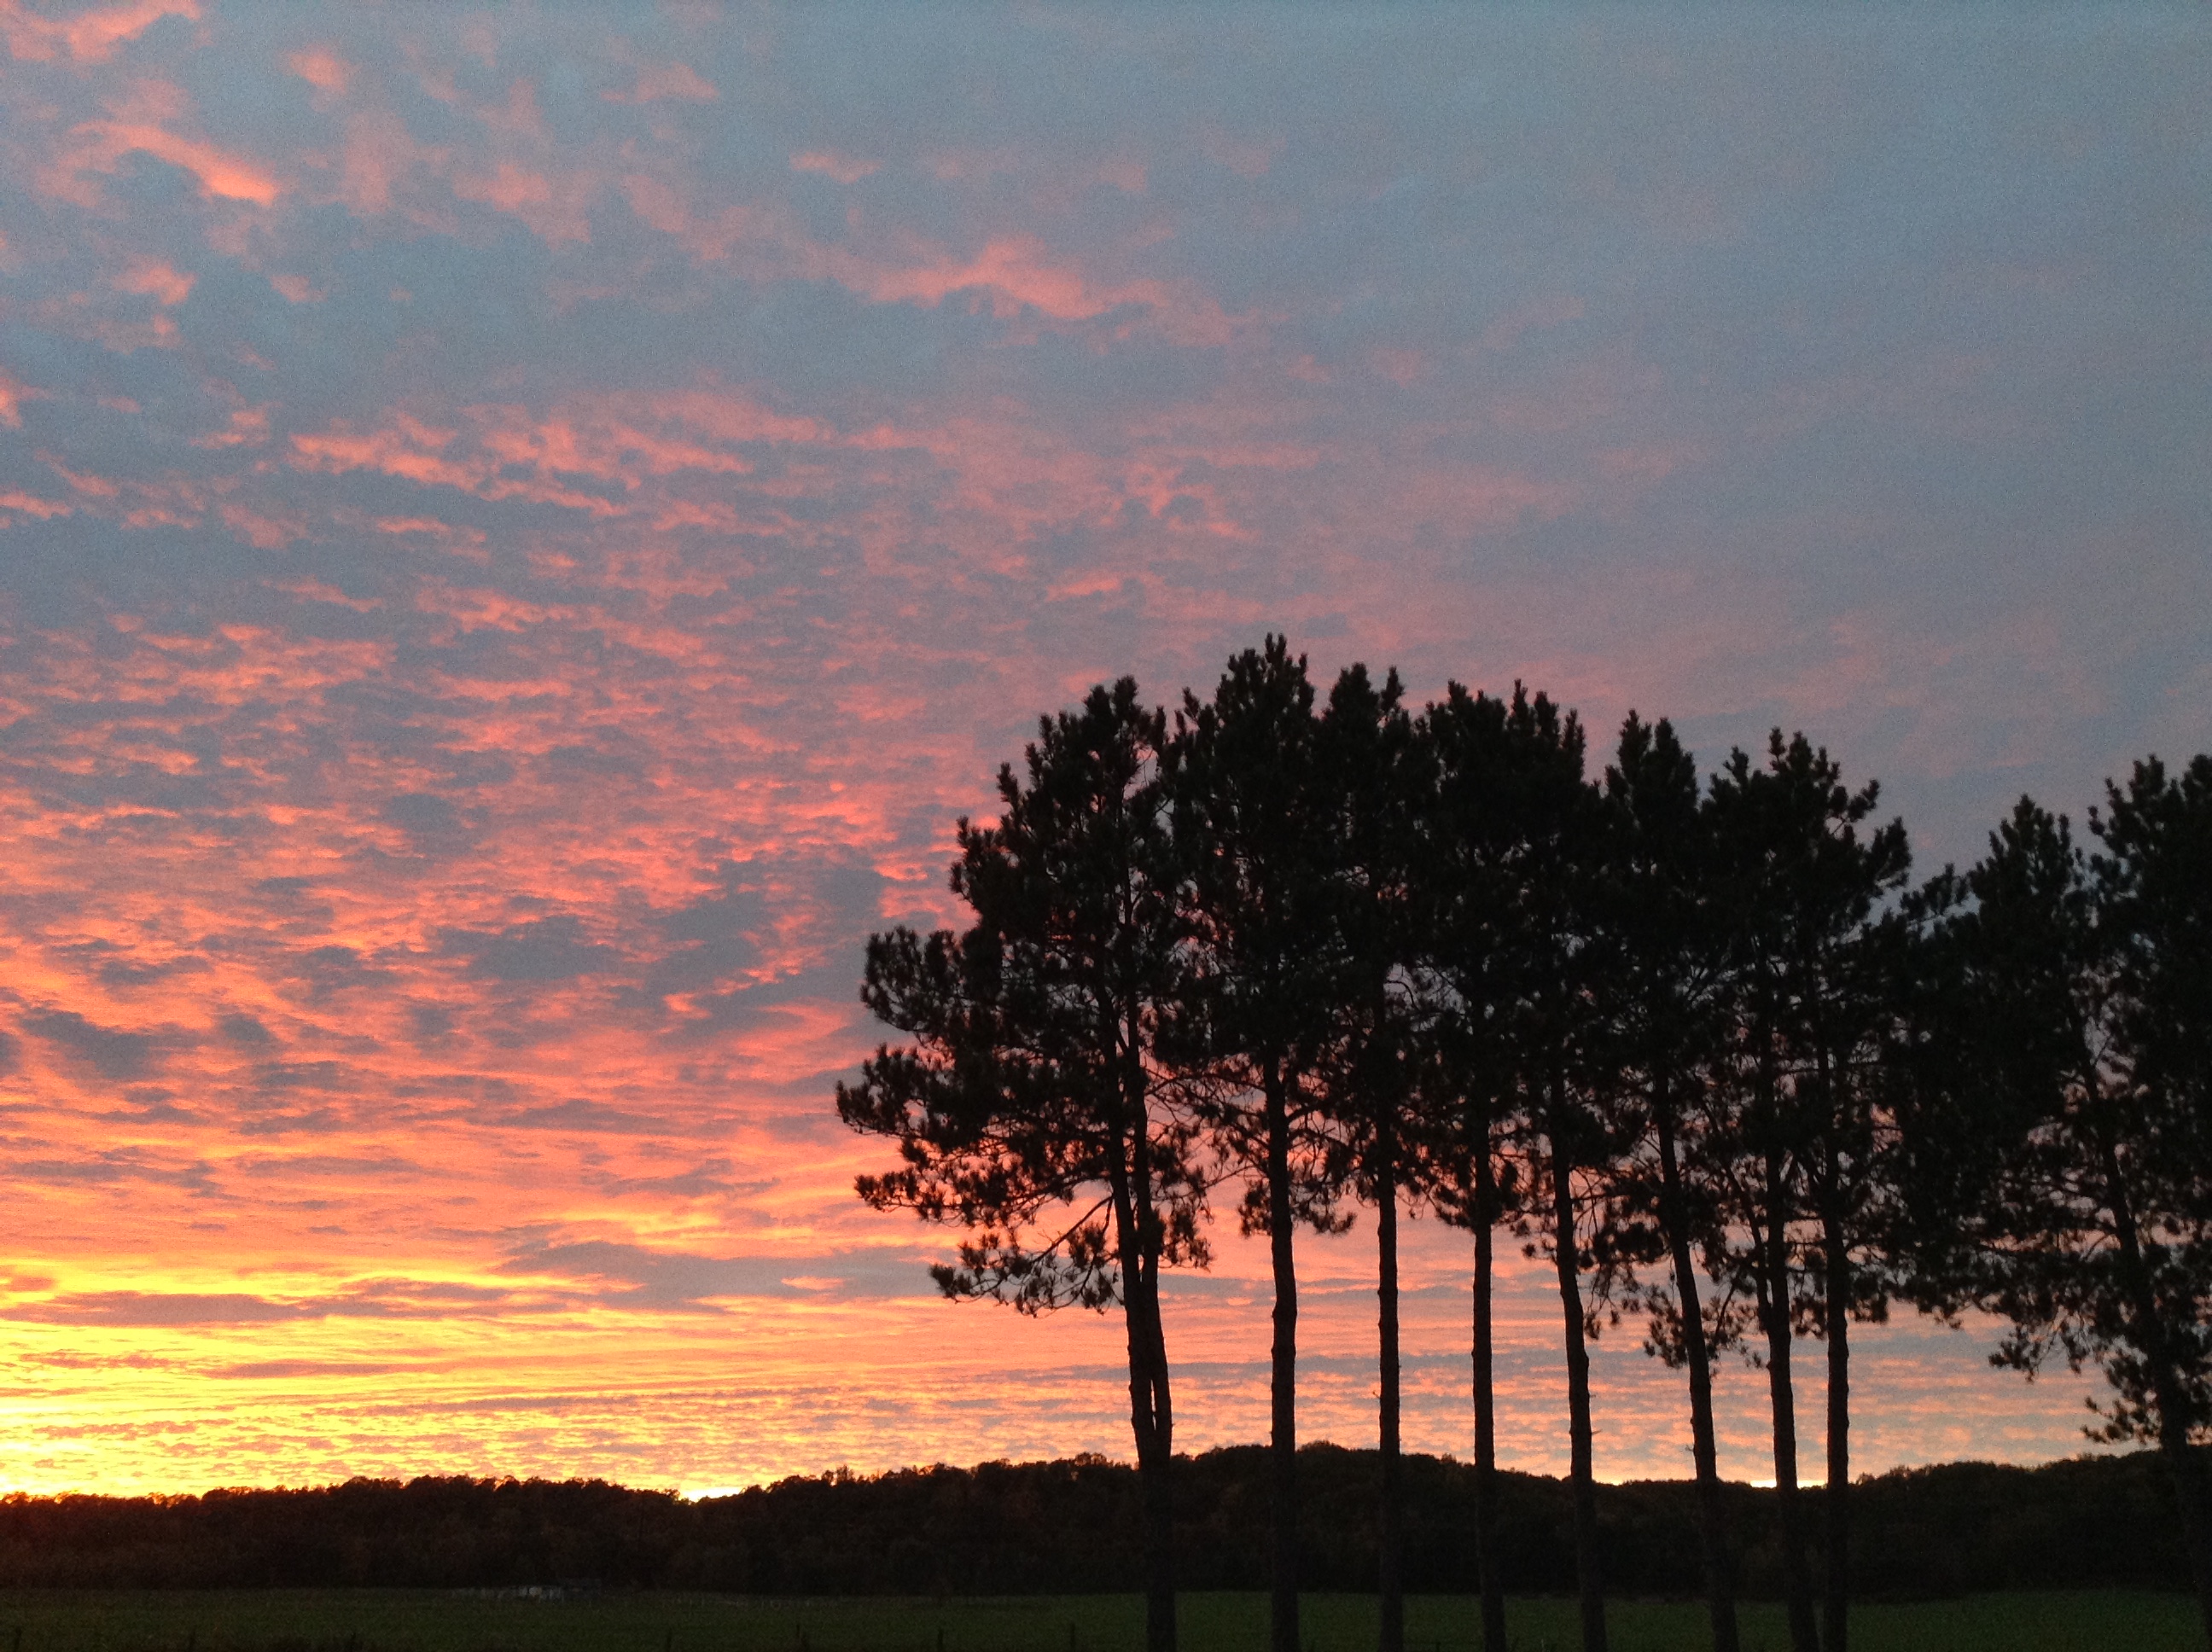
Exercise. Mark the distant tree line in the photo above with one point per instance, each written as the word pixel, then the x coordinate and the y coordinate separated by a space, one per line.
pixel 1075 1527
pixel 1701 1044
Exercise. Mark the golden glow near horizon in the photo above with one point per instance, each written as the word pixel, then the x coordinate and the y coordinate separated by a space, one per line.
pixel 746 1393
pixel 518 536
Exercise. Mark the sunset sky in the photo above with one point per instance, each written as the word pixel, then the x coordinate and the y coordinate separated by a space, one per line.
pixel 520 533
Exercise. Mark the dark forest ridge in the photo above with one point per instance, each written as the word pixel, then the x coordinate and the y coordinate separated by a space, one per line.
pixel 1069 1527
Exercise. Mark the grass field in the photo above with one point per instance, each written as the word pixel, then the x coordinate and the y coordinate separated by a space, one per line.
pixel 394 1620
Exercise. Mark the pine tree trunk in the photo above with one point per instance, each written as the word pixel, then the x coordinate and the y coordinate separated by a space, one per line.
pixel 1836 1619
pixel 1712 1512
pixel 1283 1444
pixel 1592 1585
pixel 1485 1205
pixel 1774 1312
pixel 1389 1526
pixel 1151 1415
pixel 1156 1467
pixel 1156 1462
pixel 2192 1496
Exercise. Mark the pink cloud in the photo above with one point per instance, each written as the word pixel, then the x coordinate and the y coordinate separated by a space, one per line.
pixel 765 239
pixel 376 151
pixel 13 392
pixel 1015 268
pixel 670 80
pixel 103 143
pixel 157 280
pixel 657 204
pixel 88 37
pixel 519 116
pixel 84 482
pixel 510 188
pixel 322 69
pixel 1014 271
pixel 623 439
pixel 263 532
pixel 845 169
pixel 31 505
pixel 409 451
pixel 555 201
pixel 247 427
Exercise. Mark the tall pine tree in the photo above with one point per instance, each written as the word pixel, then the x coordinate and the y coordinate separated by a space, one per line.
pixel 1032 1108
pixel 1552 951
pixel 1469 837
pixel 1802 903
pixel 1369 1072
pixel 1662 1012
pixel 1255 810
pixel 2079 1197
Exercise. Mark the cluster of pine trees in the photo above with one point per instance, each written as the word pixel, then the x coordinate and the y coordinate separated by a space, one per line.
pixel 1705 1045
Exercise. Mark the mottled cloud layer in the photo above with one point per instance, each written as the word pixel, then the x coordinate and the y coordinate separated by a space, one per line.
pixel 520 534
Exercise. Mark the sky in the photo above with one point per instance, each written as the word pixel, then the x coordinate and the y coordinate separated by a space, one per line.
pixel 522 531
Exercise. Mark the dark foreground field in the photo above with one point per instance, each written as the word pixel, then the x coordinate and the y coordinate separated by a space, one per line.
pixel 406 1621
